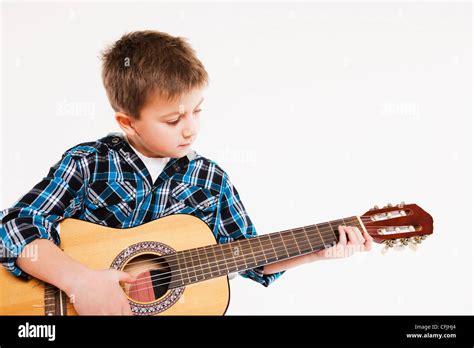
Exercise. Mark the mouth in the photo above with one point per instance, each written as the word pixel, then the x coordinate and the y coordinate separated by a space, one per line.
pixel 184 145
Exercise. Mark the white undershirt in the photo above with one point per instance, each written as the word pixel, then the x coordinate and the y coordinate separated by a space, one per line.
pixel 154 165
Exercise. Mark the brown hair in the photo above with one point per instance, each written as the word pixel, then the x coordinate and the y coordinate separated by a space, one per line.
pixel 143 63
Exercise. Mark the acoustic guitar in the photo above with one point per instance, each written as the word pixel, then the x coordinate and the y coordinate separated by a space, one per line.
pixel 180 268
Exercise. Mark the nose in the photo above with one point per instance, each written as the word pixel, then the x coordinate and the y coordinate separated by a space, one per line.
pixel 191 127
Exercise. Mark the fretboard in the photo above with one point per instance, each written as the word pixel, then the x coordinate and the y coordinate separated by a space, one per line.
pixel 199 264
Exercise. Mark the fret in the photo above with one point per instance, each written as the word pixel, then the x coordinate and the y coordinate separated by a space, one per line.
pixel 239 255
pixel 333 229
pixel 203 262
pixel 174 276
pixel 291 243
pixel 268 251
pixel 206 265
pixel 284 250
pixel 192 267
pixel 230 257
pixel 323 241
pixel 181 267
pixel 188 266
pixel 314 238
pixel 303 242
pixel 259 253
pixel 356 222
pixel 221 259
pixel 197 261
pixel 213 261
pixel 250 254
pixel 313 247
pixel 352 221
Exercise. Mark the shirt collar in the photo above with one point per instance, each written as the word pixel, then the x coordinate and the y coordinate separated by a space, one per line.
pixel 117 142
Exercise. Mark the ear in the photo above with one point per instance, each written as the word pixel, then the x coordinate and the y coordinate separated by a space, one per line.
pixel 126 123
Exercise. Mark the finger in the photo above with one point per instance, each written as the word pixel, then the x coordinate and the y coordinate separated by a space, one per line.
pixel 359 235
pixel 126 310
pixel 342 236
pixel 126 277
pixel 352 236
pixel 368 240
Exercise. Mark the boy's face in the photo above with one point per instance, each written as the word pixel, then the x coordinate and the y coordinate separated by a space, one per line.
pixel 164 126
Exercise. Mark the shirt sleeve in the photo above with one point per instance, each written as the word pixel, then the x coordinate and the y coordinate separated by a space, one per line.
pixel 234 223
pixel 37 213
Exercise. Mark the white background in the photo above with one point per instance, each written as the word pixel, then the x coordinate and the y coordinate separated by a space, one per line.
pixel 316 110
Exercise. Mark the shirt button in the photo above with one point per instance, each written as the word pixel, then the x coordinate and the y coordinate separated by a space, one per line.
pixel 206 204
pixel 115 140
pixel 96 201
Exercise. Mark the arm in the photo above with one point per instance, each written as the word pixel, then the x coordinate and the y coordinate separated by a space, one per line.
pixel 30 240
pixel 91 291
pixel 37 213
pixel 357 242
pixel 42 259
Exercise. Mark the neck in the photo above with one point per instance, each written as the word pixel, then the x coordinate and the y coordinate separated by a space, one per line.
pixel 212 261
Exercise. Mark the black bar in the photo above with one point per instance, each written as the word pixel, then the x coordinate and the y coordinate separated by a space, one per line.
pixel 314 330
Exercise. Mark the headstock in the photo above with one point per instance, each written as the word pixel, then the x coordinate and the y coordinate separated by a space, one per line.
pixel 405 224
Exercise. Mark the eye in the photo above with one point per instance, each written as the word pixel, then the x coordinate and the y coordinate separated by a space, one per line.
pixel 173 122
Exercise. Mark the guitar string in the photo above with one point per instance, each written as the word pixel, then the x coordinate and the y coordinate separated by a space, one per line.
pixel 196 277
pixel 211 253
pixel 302 230
pixel 281 246
pixel 71 305
pixel 296 230
pixel 199 250
pixel 262 252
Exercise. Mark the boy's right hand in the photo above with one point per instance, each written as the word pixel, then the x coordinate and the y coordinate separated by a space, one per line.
pixel 94 292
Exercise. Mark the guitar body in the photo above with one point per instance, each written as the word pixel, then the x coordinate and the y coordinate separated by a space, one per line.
pixel 133 250
pixel 179 268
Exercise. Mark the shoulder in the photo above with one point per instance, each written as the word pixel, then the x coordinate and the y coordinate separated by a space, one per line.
pixel 208 173
pixel 86 149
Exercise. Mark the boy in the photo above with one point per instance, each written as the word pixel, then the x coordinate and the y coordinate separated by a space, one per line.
pixel 155 84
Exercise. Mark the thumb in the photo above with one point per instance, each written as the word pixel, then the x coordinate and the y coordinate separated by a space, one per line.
pixel 126 277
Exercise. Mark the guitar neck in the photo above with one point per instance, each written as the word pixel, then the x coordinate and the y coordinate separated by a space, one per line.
pixel 213 261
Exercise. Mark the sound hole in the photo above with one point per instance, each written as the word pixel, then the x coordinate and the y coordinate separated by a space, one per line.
pixel 153 277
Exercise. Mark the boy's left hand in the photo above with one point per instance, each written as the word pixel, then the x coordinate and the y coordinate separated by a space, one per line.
pixel 347 245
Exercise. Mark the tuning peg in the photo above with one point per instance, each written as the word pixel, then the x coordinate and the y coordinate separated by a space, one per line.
pixel 416 240
pixel 401 205
pixel 389 243
pixel 376 207
pixel 389 205
pixel 413 246
pixel 401 244
pixel 403 241
pixel 423 237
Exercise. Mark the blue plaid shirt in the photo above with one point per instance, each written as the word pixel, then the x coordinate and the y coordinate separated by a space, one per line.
pixel 105 182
